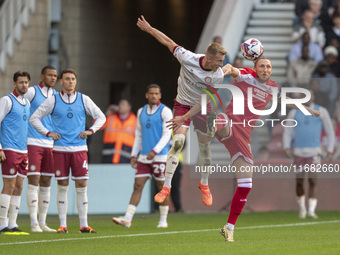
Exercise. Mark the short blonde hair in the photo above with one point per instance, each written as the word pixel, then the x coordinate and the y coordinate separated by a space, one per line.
pixel 262 57
pixel 215 49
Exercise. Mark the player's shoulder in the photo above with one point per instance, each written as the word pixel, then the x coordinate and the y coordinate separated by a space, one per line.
pixel 180 51
pixel 247 71
pixel 272 83
pixel 139 111
pixel 166 109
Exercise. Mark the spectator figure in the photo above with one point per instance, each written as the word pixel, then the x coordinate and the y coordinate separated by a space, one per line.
pixel 322 10
pixel 334 42
pixel 301 69
pixel 328 83
pixel 334 31
pixel 321 98
pixel 331 54
pixel 218 39
pixel 307 24
pixel 315 51
pixel 119 133
pixel 238 62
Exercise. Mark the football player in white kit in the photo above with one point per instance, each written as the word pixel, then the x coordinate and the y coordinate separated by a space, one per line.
pixel 198 71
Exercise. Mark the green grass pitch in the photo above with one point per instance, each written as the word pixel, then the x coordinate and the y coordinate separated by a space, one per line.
pixel 255 233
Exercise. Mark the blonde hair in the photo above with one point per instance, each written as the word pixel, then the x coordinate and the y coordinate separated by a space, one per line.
pixel 215 49
pixel 262 57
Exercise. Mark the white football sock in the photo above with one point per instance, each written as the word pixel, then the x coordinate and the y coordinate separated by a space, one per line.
pixel 13 211
pixel 44 202
pixel 173 158
pixel 4 207
pixel 130 212
pixel 62 204
pixel 312 202
pixel 230 226
pixel 301 202
pixel 82 206
pixel 163 211
pixel 32 203
pixel 204 160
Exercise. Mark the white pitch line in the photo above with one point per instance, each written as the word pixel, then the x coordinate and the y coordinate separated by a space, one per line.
pixel 173 232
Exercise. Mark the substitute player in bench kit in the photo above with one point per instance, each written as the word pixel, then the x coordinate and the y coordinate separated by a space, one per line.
pixel 40 163
pixel 68 111
pixel 152 144
pixel 303 144
pixel 14 115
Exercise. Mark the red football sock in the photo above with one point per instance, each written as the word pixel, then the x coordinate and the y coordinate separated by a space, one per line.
pixel 237 204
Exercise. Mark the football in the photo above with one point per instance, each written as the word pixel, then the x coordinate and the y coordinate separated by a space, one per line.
pixel 252 49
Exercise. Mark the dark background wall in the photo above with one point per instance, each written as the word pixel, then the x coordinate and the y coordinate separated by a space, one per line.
pixel 115 59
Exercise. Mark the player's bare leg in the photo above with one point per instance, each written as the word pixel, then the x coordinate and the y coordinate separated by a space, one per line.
pixel 126 220
pixel 312 200
pixel 163 208
pixel 301 200
pixel 204 160
pixel 244 180
pixel 171 163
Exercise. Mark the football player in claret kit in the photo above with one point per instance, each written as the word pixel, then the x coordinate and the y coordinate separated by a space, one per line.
pixel 152 144
pixel 68 110
pixel 236 138
pixel 197 71
pixel 14 115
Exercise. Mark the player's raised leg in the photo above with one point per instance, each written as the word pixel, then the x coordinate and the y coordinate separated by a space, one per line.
pixel 163 208
pixel 171 163
pixel 204 160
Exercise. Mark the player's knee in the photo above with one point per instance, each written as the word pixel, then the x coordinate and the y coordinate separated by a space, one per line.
pixel 299 183
pixel 62 189
pixel 138 187
pixel 178 143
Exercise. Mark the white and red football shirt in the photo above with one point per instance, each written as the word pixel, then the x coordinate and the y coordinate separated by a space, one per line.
pixel 261 95
pixel 193 77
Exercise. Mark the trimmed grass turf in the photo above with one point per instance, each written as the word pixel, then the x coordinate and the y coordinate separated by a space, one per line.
pixel 144 238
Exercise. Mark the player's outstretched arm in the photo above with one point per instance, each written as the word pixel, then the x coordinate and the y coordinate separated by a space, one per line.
pixel 229 69
pixel 161 37
pixel 176 122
